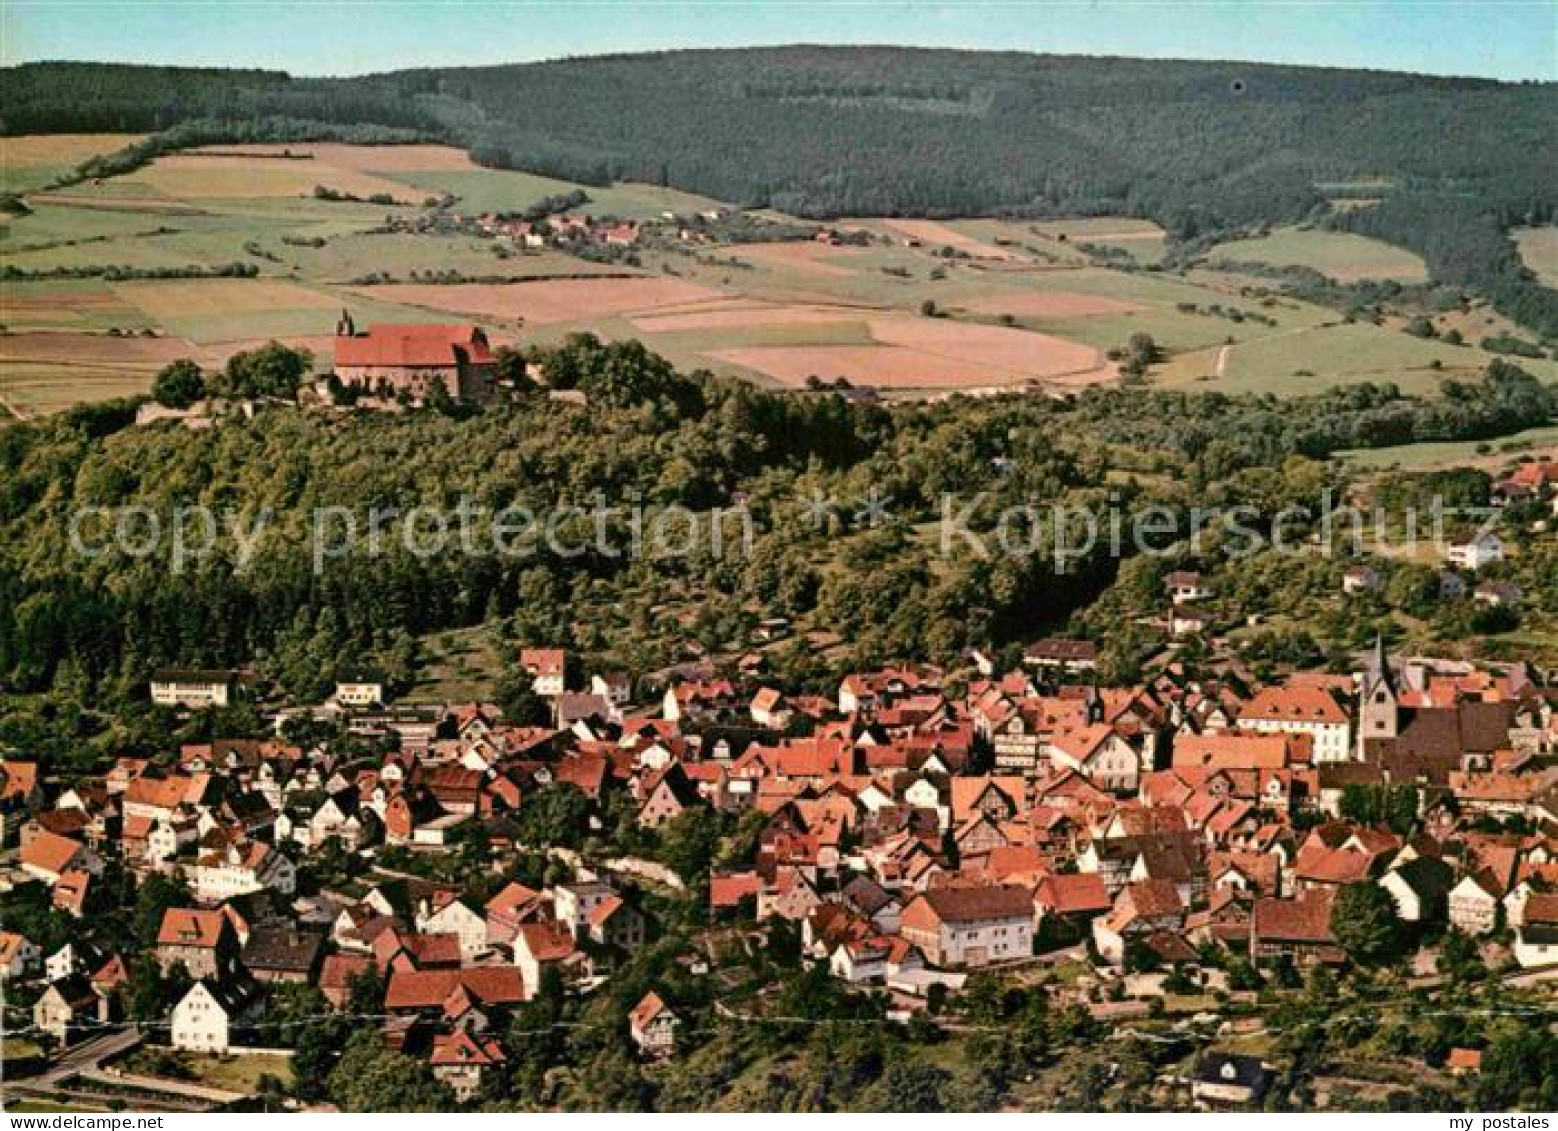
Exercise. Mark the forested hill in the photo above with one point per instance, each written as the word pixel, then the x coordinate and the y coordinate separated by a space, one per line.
pixel 827 131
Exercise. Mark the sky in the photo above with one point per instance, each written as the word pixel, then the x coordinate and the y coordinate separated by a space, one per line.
pixel 1506 39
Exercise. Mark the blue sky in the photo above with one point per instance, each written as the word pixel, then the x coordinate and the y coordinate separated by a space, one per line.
pixel 1509 39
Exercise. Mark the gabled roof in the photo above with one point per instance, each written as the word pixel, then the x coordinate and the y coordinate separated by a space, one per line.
pixel 50 853
pixel 650 1007
pixel 187 926
pixel 1073 894
pixel 460 1048
pixel 968 905
pixel 17 779
pixel 429 989
pixel 1294 704
pixel 546 941
pixel 1306 919
pixel 414 345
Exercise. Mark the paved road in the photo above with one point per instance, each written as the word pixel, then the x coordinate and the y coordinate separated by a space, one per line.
pixel 89 1055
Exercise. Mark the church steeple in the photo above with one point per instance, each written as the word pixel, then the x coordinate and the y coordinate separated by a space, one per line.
pixel 1380 705
pixel 1377 670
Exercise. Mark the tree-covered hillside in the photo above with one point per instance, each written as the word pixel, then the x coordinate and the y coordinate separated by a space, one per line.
pixel 828 131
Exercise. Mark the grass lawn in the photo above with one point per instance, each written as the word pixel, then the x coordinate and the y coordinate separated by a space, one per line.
pixel 33 1107
pixel 1311 360
pixel 19 1048
pixel 505 190
pixel 459 665
pixel 347 257
pixel 1339 255
pixel 239 1072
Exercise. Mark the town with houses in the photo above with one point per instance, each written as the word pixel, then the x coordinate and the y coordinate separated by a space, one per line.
pixel 915 834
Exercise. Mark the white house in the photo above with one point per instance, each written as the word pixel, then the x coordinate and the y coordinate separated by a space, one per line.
pixel 1476 551
pixel 615 687
pixel 1302 710
pixel 1536 939
pixel 359 687
pixel 860 960
pixel 457 918
pixel 1474 905
pixel 1186 586
pixel 204 1019
pixel 67 1006
pixel 239 870
pixel 548 670
pixel 970 926
pixel 652 1026
pixel 1098 754
pixel 192 688
pixel 1419 888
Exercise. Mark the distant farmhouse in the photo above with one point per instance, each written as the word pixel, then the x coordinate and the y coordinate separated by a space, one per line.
pixel 393 360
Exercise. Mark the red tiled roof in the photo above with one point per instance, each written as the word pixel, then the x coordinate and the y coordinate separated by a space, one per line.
pixel 409 345
pixel 1542 908
pixel 50 853
pixel 187 926
pixel 728 891
pixel 1294 704
pixel 1073 893
pixel 429 989
pixel 546 941
pixel 969 905
pixel 339 970
pixel 460 1047
pixel 17 779
pixel 1303 920
pixel 647 1010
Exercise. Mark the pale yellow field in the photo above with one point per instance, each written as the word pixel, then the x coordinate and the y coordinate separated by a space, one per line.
pixel 812 258
pixel 926 353
pixel 935 234
pixel 206 177
pixel 104 350
pixel 363 158
pixel 166 299
pixel 548 301
pixel 60 149
pixel 1539 251
pixel 740 316
pixel 1049 304
pixel 1020 352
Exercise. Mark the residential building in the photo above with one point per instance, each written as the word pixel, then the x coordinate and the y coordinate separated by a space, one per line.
pixel 972 926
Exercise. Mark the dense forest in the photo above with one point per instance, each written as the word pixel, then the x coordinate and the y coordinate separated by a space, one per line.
pixel 91 626
pixel 1198 146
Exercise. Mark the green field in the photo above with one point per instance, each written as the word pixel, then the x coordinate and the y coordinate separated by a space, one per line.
pixel 1338 255
pixel 1421 457
pixel 1291 362
pixel 502 190
pixel 458 666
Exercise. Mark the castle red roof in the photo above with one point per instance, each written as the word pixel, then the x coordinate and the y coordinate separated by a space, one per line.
pixel 405 345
